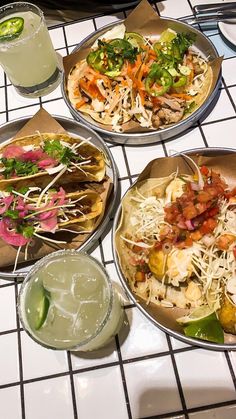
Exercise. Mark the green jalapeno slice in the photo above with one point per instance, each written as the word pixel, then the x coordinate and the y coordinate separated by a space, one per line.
pixel 158 81
pixel 11 28
pixel 180 82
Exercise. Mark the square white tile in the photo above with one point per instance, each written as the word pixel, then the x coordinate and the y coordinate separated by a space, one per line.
pixel 205 377
pixel 7 308
pixel 9 364
pixel 49 399
pixel 168 8
pixel 1 77
pixel 2 118
pixel 107 243
pixel 10 403
pixel 152 387
pixel 221 134
pixel 192 138
pixel 232 356
pixel 125 184
pixel 56 94
pixel 51 362
pixel 178 344
pixel 76 32
pixel 100 394
pixel 105 20
pixel 144 338
pixel 139 157
pixel 120 161
pixel 19 113
pixel 225 412
pixel 57 37
pixel 102 356
pixel 222 109
pixel 57 107
pixel 228 74
pixel 2 99
pixel 15 101
pixel 232 92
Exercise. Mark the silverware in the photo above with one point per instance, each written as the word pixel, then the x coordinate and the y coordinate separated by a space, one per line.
pixel 215 7
pixel 228 16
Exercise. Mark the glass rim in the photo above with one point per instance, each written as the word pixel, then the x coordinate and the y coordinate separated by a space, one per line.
pixel 34 269
pixel 11 7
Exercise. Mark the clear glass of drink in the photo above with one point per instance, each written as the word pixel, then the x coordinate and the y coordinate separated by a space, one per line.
pixel 67 301
pixel 26 51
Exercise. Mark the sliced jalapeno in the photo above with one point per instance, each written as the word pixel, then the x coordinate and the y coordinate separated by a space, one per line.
pixel 11 28
pixel 96 60
pixel 180 82
pixel 158 81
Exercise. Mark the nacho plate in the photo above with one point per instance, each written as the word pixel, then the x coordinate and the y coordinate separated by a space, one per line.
pixel 162 317
pixel 74 128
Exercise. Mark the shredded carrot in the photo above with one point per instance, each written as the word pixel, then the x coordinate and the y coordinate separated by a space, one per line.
pixel 80 103
pixel 181 96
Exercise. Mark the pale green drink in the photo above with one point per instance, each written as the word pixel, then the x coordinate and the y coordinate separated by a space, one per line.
pixel 68 302
pixel 29 60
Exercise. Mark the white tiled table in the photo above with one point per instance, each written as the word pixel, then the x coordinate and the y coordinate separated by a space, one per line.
pixel 149 374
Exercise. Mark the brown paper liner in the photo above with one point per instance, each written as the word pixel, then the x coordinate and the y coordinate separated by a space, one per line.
pixel 42 121
pixel 160 168
pixel 144 20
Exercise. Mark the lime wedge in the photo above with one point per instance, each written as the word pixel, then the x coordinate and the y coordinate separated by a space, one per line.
pixel 198 314
pixel 11 28
pixel 208 329
pixel 135 39
pixel 167 36
pixel 42 311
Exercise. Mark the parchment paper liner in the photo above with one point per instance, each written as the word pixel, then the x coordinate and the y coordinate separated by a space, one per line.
pixel 42 121
pixel 162 167
pixel 144 20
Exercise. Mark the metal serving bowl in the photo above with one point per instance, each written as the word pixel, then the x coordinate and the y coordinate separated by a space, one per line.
pixel 206 48
pixel 163 317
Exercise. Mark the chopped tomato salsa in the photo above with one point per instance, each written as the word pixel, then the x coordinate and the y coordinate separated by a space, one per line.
pixel 195 212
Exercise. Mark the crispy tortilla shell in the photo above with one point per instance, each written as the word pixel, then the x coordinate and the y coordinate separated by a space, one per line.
pixel 93 171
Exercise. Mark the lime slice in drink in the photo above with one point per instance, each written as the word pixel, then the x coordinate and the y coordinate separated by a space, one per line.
pixel 198 314
pixel 39 308
pixel 135 39
pixel 11 28
pixel 167 36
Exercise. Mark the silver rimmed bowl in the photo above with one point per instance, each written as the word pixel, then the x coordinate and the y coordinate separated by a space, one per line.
pixel 163 317
pixel 207 50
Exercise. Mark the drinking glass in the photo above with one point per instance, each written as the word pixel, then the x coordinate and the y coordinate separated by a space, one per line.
pixel 28 56
pixel 67 301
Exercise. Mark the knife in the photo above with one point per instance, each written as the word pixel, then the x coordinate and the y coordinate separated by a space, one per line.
pixel 215 7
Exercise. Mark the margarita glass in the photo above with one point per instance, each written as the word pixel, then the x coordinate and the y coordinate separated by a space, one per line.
pixel 67 301
pixel 26 51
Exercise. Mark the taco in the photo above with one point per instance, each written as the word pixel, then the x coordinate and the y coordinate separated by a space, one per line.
pixel 171 242
pixel 130 77
pixel 37 155
pixel 30 211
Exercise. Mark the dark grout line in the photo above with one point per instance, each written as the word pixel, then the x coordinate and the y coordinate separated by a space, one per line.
pixel 230 368
pixel 6 97
pixel 179 385
pixel 217 120
pixel 125 388
pixel 72 385
pixel 8 332
pixel 202 134
pixel 229 95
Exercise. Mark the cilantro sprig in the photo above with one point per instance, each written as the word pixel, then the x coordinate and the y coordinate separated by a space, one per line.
pixel 59 152
pixel 18 167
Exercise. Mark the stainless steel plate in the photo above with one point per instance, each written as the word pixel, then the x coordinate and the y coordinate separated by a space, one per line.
pixel 9 129
pixel 147 310
pixel 206 48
